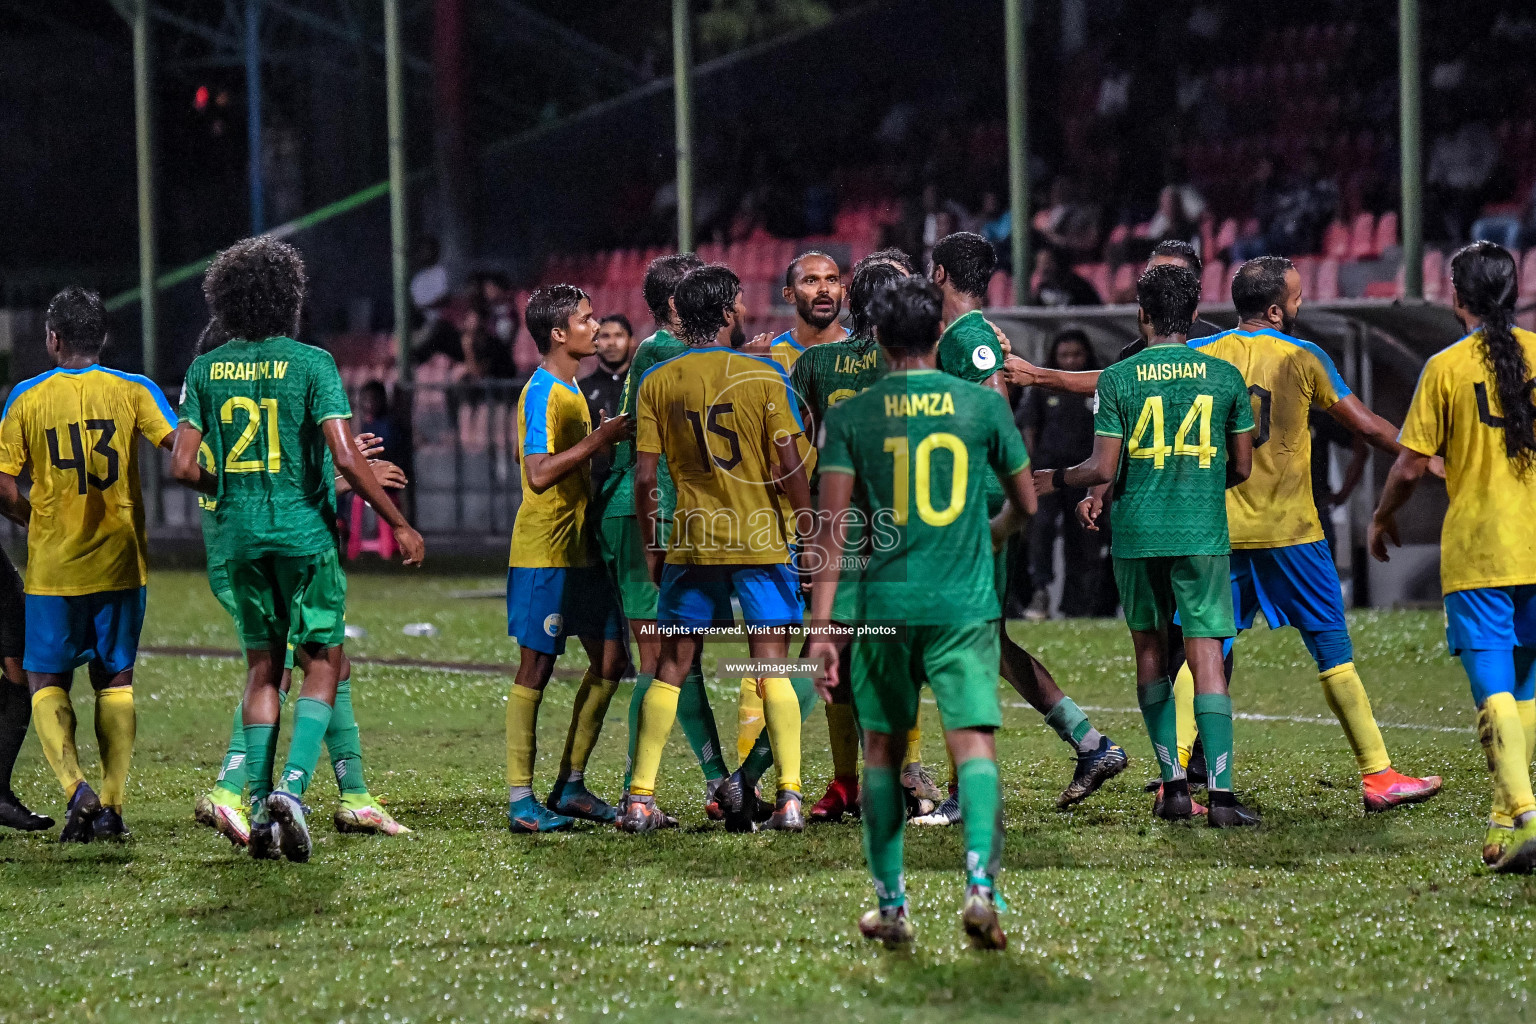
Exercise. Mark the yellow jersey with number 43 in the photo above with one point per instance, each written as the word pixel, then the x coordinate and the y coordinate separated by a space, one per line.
pixel 1489 535
pixel 1286 379
pixel 715 414
pixel 260 406
pixel 77 431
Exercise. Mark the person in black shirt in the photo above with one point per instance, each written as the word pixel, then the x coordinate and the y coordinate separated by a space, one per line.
pixel 1058 431
pixel 604 386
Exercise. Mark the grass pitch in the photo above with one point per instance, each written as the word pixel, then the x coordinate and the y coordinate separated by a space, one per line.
pixel 1322 914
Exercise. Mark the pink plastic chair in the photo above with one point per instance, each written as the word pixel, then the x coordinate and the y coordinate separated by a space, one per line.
pixel 383 544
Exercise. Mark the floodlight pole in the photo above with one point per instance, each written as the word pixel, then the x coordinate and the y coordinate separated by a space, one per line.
pixel 143 124
pixel 1412 131
pixel 395 116
pixel 682 77
pixel 253 115
pixel 1018 145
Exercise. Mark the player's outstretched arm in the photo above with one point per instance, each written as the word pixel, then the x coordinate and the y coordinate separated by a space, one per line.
pixel 1406 473
pixel 1239 457
pixel 13 504
pixel 830 536
pixel 1022 373
pixel 794 482
pixel 354 467
pixel 1098 468
pixel 547 469
pixel 646 467
pixel 185 441
pixel 1021 504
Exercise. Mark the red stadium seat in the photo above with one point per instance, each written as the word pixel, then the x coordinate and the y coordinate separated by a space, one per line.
pixel 1336 241
pixel 1213 282
pixel 1327 279
pixel 1123 287
pixel 1383 289
pixel 1362 237
pixel 1000 290
pixel 1225 236
pixel 1097 275
pixel 1306 266
pixel 1386 232
pixel 1528 272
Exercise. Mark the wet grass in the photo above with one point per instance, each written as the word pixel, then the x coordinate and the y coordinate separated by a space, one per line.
pixel 1323 914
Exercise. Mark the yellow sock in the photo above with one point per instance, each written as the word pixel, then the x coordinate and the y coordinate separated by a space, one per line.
pixel 1345 695
pixel 915 740
pixel 54 718
pixel 749 719
pixel 843 734
pixel 586 721
pixel 1527 709
pixel 1503 740
pixel 115 728
pixel 781 710
pixel 1184 709
pixel 657 713
pixel 522 733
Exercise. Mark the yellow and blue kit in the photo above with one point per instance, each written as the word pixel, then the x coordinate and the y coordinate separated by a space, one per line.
pixel 555 588
pixel 715 414
pixel 77 432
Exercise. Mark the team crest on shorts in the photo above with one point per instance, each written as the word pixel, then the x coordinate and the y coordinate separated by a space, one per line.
pixel 552 624
pixel 982 356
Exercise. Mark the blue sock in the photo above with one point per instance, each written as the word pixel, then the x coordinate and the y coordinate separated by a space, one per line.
pixel 1330 648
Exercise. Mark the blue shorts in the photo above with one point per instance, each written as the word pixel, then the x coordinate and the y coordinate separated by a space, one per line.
pixel 64 633
pixel 544 606
pixel 699 596
pixel 1297 585
pixel 1491 618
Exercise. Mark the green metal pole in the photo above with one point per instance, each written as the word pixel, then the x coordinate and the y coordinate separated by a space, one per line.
pixel 682 76
pixel 1412 129
pixel 396 117
pixel 143 115
pixel 1018 145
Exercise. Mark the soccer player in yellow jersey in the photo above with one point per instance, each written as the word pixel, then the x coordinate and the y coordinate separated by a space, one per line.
pixel 556 586
pixel 1473 404
pixel 723 419
pixel 76 430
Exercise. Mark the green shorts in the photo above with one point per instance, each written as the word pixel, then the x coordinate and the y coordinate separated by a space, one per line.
pixel 959 662
pixel 845 603
pixel 619 545
pixel 1198 587
pixel 226 599
pixel 289 599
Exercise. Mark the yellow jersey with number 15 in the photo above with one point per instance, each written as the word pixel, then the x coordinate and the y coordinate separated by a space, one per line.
pixel 715 414
pixel 77 431
pixel 1489 535
pixel 1286 379
pixel 551 526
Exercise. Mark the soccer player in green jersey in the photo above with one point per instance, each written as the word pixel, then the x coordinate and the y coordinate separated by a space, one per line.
pixel 971 349
pixel 1169 520
pixel 912 455
pixel 624 555
pixel 223 807
pixel 274 415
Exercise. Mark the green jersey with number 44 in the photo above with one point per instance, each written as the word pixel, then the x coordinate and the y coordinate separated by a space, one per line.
pixel 260 406
pixel 1174 408
pixel 921 445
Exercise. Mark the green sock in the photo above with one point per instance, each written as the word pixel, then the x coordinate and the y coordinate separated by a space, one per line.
pixel 1213 719
pixel 310 719
pixel 343 743
pixel 232 775
pixel 1158 711
pixel 698 721
pixel 260 752
pixel 761 757
pixel 981 813
pixel 642 683
pixel 885 815
pixel 1069 722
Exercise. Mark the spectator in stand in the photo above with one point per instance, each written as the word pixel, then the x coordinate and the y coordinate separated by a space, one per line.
pixel 432 297
pixel 1514 231
pixel 1057 284
pixel 905 232
pixel 374 418
pixel 484 355
pixel 1461 166
pixel 497 304
pixel 1069 223
pixel 604 386
pixel 1058 431
pixel 995 224
pixel 1293 223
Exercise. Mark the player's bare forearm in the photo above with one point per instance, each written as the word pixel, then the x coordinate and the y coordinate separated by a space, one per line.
pixel 354 468
pixel 1239 457
pixel 1406 472
pixel 13 504
pixel 796 486
pixel 186 440
pixel 1026 374
pixel 1377 432
pixel 545 469
pixel 1098 468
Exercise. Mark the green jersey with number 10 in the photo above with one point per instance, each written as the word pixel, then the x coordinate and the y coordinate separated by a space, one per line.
pixel 1174 408
pixel 260 406
pixel 921 445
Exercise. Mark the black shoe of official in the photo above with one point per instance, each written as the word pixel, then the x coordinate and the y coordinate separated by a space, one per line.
pixel 109 826
pixel 84 808
pixel 14 814
pixel 1226 812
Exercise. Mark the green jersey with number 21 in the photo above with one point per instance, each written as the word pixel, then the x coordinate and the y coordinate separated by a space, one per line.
pixel 260 406
pixel 1174 408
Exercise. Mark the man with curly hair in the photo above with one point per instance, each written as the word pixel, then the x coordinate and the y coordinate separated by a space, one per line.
pixel 275 419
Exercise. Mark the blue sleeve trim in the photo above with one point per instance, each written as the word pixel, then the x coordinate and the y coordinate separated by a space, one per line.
pixel 1341 390
pixel 788 338
pixel 23 387
pixel 789 391
pixel 536 413
pixel 148 385
pixel 1199 343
